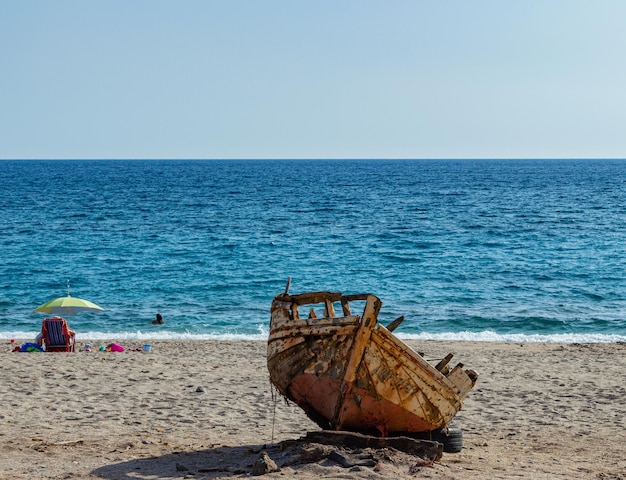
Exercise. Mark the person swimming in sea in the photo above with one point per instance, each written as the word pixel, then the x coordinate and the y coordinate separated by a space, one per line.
pixel 158 320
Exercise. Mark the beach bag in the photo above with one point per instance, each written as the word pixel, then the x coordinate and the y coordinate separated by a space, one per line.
pixel 31 347
pixel 114 347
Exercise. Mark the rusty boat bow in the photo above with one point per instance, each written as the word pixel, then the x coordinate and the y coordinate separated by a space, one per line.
pixel 348 372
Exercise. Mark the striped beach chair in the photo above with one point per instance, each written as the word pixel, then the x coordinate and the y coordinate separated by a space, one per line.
pixel 57 336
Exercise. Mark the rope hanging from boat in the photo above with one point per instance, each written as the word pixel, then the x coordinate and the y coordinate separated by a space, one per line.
pixel 274 391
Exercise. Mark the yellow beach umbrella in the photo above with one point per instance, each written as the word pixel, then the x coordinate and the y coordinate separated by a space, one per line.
pixel 68 306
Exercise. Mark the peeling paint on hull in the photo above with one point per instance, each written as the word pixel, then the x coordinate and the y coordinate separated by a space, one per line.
pixel 348 372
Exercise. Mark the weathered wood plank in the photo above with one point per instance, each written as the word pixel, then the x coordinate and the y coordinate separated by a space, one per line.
pixel 396 323
pixel 413 446
pixel 312 297
pixel 444 362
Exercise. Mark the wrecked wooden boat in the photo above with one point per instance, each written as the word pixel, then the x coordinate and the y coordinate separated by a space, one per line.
pixel 349 372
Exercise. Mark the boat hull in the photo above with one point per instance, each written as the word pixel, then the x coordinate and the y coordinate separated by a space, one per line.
pixel 350 373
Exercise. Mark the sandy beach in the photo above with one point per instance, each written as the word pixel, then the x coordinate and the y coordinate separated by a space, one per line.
pixel 203 409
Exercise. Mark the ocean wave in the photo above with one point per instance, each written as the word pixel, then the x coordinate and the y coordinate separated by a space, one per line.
pixel 466 336
pixel 491 336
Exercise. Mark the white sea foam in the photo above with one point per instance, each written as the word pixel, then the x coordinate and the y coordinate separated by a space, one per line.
pixel 142 335
pixel 485 336
pixel 491 336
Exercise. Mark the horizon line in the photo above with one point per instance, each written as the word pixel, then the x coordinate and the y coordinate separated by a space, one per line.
pixel 159 159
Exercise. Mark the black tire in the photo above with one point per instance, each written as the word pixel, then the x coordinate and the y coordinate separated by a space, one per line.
pixel 451 438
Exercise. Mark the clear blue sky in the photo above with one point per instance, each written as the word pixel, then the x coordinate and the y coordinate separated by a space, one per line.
pixel 312 79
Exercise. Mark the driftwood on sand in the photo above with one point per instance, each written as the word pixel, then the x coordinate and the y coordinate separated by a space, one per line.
pixel 420 448
pixel 349 450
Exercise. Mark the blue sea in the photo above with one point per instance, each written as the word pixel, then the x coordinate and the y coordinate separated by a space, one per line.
pixel 493 250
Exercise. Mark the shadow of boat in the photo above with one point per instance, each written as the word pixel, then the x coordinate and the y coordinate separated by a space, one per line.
pixel 206 464
pixel 330 451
